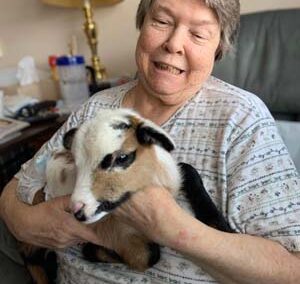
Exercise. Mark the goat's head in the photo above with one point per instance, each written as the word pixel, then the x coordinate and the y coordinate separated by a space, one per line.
pixel 116 154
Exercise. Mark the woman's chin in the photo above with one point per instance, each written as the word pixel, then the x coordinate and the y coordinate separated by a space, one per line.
pixel 165 88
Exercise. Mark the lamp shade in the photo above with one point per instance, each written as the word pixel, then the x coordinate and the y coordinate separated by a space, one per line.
pixel 79 3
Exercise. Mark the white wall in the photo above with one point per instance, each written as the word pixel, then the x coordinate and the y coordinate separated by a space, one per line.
pixel 28 27
pixel 248 6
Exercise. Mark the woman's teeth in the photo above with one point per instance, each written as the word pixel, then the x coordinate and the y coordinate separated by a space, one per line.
pixel 166 67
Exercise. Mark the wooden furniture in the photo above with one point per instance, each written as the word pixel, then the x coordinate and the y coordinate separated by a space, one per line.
pixel 20 149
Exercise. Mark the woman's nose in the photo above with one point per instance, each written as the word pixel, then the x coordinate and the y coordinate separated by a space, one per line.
pixel 175 42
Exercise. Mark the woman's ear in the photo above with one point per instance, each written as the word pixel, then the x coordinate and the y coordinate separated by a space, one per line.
pixel 68 138
pixel 149 134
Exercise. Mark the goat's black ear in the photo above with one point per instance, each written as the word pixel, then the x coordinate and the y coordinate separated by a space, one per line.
pixel 150 134
pixel 68 138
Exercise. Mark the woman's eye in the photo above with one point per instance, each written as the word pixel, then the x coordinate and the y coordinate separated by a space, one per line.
pixel 200 36
pixel 159 22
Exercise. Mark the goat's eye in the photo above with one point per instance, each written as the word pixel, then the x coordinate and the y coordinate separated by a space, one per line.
pixel 125 160
pixel 121 159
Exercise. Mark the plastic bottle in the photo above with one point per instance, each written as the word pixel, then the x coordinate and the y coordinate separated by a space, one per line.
pixel 72 81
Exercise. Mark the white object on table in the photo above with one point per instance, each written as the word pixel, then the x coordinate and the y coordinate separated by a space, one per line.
pixel 27 73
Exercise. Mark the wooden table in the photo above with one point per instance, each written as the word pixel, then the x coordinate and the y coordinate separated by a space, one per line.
pixel 35 135
pixel 16 151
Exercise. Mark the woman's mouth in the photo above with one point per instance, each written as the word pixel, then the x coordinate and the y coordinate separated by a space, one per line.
pixel 165 67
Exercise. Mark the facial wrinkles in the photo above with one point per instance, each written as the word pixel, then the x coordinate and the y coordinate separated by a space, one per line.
pixel 184 34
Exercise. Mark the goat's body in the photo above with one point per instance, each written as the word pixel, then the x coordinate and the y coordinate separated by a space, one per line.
pixel 70 172
pixel 105 161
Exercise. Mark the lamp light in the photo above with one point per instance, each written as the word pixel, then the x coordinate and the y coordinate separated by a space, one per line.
pixel 89 27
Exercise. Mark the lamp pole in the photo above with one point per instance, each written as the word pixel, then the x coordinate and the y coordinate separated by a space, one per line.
pixel 90 30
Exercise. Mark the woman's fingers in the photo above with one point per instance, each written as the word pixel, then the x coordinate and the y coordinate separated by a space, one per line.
pixel 73 227
pixel 152 212
pixel 52 227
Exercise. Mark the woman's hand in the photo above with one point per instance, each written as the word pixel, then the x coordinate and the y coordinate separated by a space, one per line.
pixel 53 226
pixel 47 224
pixel 154 212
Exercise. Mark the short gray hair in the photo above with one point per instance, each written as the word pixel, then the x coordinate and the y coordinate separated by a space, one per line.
pixel 227 11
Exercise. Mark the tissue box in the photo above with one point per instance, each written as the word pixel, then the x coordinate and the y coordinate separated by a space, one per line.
pixel 47 89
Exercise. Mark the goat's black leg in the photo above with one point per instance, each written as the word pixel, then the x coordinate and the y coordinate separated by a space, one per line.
pixel 42 265
pixel 95 253
pixel 204 208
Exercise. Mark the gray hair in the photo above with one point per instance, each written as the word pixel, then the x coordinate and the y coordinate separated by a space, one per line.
pixel 227 11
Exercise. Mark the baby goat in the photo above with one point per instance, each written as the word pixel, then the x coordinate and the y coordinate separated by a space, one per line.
pixel 104 162
pixel 115 154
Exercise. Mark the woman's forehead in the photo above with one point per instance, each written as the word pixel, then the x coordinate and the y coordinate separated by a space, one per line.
pixel 201 13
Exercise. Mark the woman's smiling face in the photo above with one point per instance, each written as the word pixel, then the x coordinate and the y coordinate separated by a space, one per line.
pixel 176 48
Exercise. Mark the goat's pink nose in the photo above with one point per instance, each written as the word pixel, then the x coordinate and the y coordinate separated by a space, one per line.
pixel 77 206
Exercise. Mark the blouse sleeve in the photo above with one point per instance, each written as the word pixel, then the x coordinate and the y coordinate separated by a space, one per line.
pixel 263 183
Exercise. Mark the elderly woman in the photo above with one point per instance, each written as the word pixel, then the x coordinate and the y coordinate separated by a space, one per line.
pixel 227 134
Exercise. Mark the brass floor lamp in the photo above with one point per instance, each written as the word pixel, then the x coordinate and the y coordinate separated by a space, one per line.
pixel 89 26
